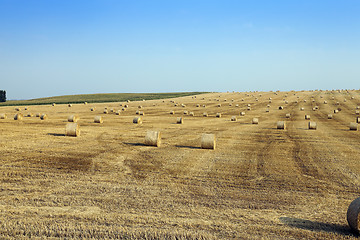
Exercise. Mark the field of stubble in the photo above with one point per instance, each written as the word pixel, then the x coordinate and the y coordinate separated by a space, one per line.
pixel 260 182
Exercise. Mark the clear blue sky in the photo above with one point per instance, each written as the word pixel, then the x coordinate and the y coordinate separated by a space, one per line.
pixel 61 47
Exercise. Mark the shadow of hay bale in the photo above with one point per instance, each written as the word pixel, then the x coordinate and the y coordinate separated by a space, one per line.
pixel 318 226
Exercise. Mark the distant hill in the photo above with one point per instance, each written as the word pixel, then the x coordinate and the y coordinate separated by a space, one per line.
pixel 98 98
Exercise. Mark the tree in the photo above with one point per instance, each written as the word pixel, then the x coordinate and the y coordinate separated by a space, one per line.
pixel 2 96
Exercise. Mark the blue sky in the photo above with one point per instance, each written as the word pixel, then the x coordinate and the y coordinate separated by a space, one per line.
pixel 61 47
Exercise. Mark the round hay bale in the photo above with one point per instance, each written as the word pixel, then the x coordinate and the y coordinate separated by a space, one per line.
pixel 111 110
pixel 249 108
pixel 197 105
pixel 139 106
pixel 92 109
pixel 286 102
pixel 137 120
pixel 70 105
pixel 26 108
pixel 172 112
pixel 72 129
pixel 219 105
pixel 179 120
pixel 353 126
pixel 153 138
pixel 248 105
pixel 357 107
pixel 280 125
pixel 137 112
pixel 106 111
pixel 281 107
pixel 302 109
pixel 53 104
pixel 126 106
pixel 205 114
pixel 336 110
pixel 191 114
pixel 85 103
pixel 43 116
pixel 118 112
pixel 3 116
pixel 18 116
pixel 307 117
pixel 288 115
pixel 98 119
pixel 218 115
pixel 330 116
pixel 267 110
pixel 242 113
pixel 233 119
pixel 352 214
pixel 185 112
pixel 357 112
pixel 255 121
pixel 208 141
pixel 325 102
pixel 204 105
pixel 237 105
pixel 312 125
pixel 128 101
pixel 73 118
pixel 183 105
pixel 37 115
pixel 123 109
pixel 17 109
pixel 358 120
pixel 142 113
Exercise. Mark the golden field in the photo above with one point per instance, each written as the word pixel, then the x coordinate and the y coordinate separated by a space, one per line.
pixel 259 183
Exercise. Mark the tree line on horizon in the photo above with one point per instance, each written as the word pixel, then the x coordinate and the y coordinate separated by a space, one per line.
pixel 2 96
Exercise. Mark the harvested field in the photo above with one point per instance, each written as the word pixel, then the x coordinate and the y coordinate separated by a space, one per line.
pixel 259 183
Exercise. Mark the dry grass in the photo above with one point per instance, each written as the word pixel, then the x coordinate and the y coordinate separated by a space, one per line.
pixel 259 183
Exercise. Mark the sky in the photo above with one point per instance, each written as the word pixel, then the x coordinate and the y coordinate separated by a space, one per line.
pixel 63 47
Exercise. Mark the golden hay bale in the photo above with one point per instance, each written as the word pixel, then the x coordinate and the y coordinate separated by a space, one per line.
pixel 92 109
pixel 128 101
pixel 305 100
pixel 137 112
pixel 302 109
pixel 230 104
pixel 330 116
pixel 237 105
pixel 142 113
pixel 183 105
pixel 153 138
pixel 123 109
pixel 312 125
pixel 98 119
pixel 208 141
pixel 191 114
pixel 172 112
pixel 357 112
pixel 185 112
pixel 139 106
pixel 179 120
pixel 255 121
pixel 288 115
pixel 267 110
pixel 26 108
pixel 307 117
pixel 197 105
pixel 204 105
pixel 70 105
pixel 286 102
pixel 280 125
pixel 111 110
pixel 17 109
pixel 3 116
pixel 37 115
pixel 205 114
pixel 281 107
pixel 18 116
pixel 336 110
pixel 85 103
pixel 249 108
pixel 137 120
pixel 233 119
pixel 357 107
pixel 43 116
pixel 73 118
pixel 126 106
pixel 118 112
pixel 105 111
pixel 53 104
pixel 325 102
pixel 358 120
pixel 242 113
pixel 219 105
pixel 72 129
pixel 248 105
pixel 352 214
pixel 218 115
pixel 353 126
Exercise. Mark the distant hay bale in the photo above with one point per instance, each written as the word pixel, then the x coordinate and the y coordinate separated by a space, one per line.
pixel 185 112
pixel 255 121
pixel 92 109
pixel 267 110
pixel 336 110
pixel 312 125
pixel 205 114
pixel 242 113
pixel 53 104
pixel 358 120
pixel 330 116
pixel 137 120
pixel 183 105
pixel 219 105
pixel 357 107
pixel 191 114
pixel 204 105
pixel 70 105
pixel 118 112
pixel 280 125
pixel 288 115
pixel 179 120
pixel 197 105
pixel 128 101
pixel 302 109
pixel 106 111
pixel 286 102
pixel 344 100
pixel 248 105
pixel 85 103
pixel 72 129
pixel 153 138
pixel 17 109
pixel 142 113
pixel 140 106
pixel 37 115
pixel 218 115
pixel 111 110
pixel 325 102
pixel 249 108
pixel 305 100
pixel 73 118
pixel 237 105
pixel 18 116
pixel 233 119
pixel 208 141
pixel 137 112
pixel 123 109
pixel 353 126
pixel 126 106
pixel 281 107
pixel 26 108
pixel 230 104
pixel 357 112
pixel 98 119
pixel 172 112
pixel 307 117
pixel 3 116
pixel 43 116
pixel 352 215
